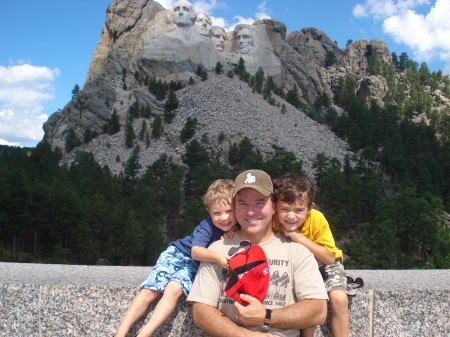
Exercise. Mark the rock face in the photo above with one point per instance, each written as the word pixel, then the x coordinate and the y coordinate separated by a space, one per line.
pixel 141 37
pixel 245 114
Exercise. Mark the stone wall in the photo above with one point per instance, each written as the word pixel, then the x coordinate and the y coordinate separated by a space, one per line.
pixel 68 300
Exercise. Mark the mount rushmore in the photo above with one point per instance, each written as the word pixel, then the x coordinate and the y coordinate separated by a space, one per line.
pixel 141 37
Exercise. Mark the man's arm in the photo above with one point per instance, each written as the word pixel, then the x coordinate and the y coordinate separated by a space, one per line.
pixel 300 315
pixel 216 324
pixel 297 316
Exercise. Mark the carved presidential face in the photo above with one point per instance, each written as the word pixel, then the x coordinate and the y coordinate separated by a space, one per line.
pixel 244 36
pixel 218 37
pixel 203 24
pixel 183 13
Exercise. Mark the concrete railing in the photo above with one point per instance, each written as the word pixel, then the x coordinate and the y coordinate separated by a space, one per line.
pixel 70 300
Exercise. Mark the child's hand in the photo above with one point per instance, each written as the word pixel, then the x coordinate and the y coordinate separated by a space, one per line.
pixel 295 236
pixel 230 234
pixel 223 261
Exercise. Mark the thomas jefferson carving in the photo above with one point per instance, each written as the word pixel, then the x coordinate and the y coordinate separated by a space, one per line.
pixel 203 24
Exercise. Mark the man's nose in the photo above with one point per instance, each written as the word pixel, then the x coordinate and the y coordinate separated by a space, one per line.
pixel 252 209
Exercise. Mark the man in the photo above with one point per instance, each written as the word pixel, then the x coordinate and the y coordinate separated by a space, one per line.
pixel 183 14
pixel 203 24
pixel 218 38
pixel 301 300
pixel 245 39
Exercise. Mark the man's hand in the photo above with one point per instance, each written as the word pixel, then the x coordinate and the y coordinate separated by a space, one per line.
pixel 251 315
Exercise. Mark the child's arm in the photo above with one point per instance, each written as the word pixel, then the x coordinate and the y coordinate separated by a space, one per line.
pixel 320 252
pixel 206 255
pixel 230 233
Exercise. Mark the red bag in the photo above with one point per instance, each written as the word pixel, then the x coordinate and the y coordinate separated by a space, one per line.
pixel 249 274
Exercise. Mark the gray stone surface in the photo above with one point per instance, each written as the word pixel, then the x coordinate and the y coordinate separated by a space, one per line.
pixel 245 114
pixel 412 313
pixel 72 300
pixel 140 40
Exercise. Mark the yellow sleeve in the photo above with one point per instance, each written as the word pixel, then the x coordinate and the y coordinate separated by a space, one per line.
pixel 317 229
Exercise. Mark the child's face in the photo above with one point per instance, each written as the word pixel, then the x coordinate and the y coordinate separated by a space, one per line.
pixel 292 216
pixel 222 216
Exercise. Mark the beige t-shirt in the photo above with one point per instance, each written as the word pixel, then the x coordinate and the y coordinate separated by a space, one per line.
pixel 294 276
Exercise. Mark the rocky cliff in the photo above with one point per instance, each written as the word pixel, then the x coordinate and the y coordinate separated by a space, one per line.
pixel 141 40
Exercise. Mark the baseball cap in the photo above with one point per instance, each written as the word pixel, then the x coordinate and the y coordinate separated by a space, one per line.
pixel 256 179
pixel 249 274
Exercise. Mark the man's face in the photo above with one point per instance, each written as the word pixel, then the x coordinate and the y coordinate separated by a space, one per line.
pixel 245 40
pixel 253 212
pixel 183 14
pixel 218 39
pixel 203 24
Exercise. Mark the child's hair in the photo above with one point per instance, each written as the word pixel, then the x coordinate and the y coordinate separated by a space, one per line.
pixel 291 187
pixel 219 192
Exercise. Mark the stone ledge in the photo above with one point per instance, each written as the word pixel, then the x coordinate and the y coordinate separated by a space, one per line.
pixel 72 300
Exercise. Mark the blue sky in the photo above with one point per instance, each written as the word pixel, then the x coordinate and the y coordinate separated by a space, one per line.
pixel 46 46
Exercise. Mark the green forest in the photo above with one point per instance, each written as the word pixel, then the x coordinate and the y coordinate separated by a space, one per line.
pixel 387 205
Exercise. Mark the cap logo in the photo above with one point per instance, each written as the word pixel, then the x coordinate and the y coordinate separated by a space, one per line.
pixel 250 179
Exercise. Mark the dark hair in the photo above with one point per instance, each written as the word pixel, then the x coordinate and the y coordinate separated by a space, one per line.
pixel 291 187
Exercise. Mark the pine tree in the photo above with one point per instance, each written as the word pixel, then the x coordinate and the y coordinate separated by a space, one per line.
pixel 133 239
pixel 130 135
pixel 75 91
pixel 172 101
pixel 71 140
pixel 157 127
pixel 219 68
pixel 292 96
pixel 132 166
pixel 259 80
pixel 143 131
pixel 330 58
pixel 113 124
pixel 188 129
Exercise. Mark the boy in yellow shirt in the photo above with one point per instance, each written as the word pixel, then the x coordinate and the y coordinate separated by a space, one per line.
pixel 298 220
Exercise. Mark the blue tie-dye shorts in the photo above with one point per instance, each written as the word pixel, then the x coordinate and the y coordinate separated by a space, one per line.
pixel 172 265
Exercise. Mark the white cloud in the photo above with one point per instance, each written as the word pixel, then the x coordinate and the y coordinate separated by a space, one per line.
pixel 380 9
pixel 203 6
pixel 241 20
pixel 262 12
pixel 5 142
pixel 428 35
pixel 166 3
pixel 218 21
pixel 207 6
pixel 24 89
